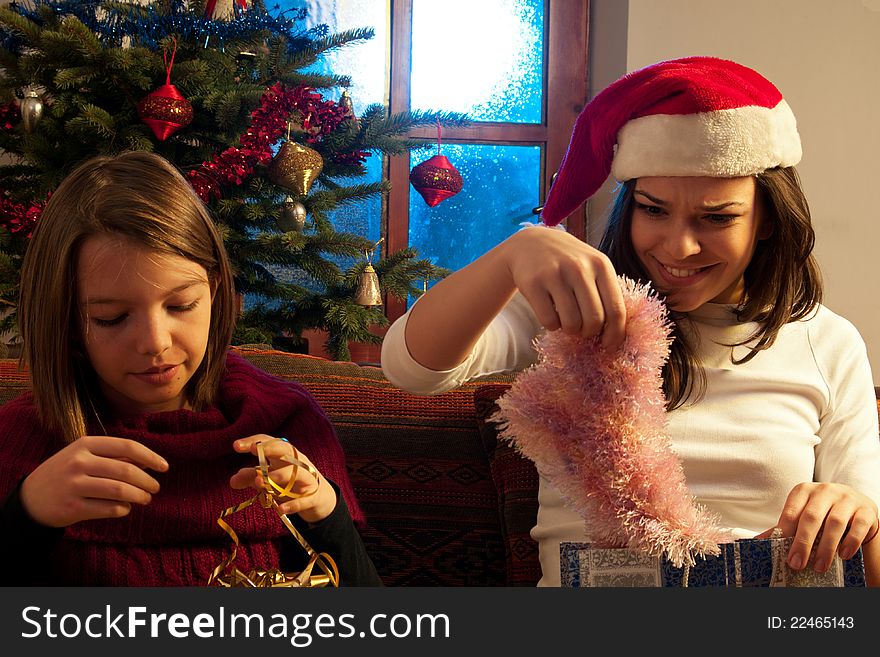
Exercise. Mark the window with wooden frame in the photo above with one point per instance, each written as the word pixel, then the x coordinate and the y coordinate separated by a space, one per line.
pixel 518 68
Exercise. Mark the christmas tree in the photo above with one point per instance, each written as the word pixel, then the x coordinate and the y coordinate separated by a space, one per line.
pixel 233 105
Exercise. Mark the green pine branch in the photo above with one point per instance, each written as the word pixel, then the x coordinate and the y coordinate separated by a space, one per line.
pixel 309 55
pixel 330 198
pixel 21 26
pixel 403 275
pixel 92 120
pixel 72 37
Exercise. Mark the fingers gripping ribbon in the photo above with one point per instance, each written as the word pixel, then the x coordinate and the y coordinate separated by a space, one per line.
pixel 320 571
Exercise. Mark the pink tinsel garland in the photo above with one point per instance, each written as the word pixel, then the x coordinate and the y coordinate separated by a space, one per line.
pixel 594 423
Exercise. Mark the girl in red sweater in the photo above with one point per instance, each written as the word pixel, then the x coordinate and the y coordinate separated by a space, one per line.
pixel 142 428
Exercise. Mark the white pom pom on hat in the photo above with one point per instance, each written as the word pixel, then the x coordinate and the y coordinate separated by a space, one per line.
pixel 696 116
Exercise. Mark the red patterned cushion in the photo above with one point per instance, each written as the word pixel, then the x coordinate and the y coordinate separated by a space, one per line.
pixel 13 381
pixel 516 483
pixel 419 470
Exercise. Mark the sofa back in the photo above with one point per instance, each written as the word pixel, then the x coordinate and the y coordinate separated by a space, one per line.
pixel 424 470
pixel 447 504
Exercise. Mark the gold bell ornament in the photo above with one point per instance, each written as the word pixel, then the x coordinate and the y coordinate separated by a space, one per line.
pixel 293 216
pixel 368 292
pixel 295 166
pixel 347 105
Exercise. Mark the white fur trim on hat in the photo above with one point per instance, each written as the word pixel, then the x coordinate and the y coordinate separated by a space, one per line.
pixel 723 143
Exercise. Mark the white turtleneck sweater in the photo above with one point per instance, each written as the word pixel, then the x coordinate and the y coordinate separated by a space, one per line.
pixel 802 410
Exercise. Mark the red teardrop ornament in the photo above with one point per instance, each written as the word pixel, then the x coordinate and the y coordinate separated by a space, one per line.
pixel 436 180
pixel 166 111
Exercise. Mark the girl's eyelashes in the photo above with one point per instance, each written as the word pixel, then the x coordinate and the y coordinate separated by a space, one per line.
pixel 109 322
pixel 184 308
pixel 113 321
pixel 720 219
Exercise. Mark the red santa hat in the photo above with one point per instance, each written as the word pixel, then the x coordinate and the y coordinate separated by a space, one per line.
pixel 697 116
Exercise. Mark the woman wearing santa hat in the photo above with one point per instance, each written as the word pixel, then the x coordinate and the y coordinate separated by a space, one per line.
pixel 770 400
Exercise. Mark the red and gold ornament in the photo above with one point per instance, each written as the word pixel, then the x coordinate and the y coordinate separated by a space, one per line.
pixel 436 179
pixel 165 110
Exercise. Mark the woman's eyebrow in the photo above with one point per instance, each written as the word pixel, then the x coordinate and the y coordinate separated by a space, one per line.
pixel 722 206
pixel 653 199
pixel 714 207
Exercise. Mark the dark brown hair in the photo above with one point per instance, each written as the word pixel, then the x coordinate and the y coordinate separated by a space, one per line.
pixel 782 281
pixel 138 196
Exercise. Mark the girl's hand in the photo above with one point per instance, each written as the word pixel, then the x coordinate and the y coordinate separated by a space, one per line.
pixel 846 518
pixel 313 507
pixel 569 284
pixel 93 477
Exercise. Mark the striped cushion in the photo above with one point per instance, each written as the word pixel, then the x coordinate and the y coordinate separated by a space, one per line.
pixel 418 467
pixel 13 381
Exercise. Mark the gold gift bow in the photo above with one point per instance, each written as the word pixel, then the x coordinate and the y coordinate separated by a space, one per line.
pixel 268 499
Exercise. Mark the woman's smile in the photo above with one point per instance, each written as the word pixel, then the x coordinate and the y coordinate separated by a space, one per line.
pixel 695 236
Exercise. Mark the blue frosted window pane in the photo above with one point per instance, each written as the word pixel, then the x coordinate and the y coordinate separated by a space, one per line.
pixel 481 57
pixel 362 61
pixel 364 217
pixel 500 189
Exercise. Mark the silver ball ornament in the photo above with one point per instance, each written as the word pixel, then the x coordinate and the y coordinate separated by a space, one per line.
pixel 31 107
pixel 293 216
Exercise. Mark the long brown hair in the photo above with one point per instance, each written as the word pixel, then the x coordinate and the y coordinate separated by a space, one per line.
pixel 782 281
pixel 139 196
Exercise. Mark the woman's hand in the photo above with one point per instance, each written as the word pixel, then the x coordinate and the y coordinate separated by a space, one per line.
pixel 569 284
pixel 93 477
pixel 319 498
pixel 846 519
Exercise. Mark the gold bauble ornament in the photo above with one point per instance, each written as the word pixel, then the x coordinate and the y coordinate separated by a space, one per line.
pixel 368 292
pixel 295 167
pixel 293 216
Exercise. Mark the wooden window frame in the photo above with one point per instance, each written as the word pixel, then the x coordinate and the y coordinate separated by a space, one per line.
pixel 565 93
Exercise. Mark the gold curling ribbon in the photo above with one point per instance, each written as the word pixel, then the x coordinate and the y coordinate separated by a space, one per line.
pixel 227 575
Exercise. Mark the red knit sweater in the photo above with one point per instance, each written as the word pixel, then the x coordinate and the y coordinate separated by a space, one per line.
pixel 175 540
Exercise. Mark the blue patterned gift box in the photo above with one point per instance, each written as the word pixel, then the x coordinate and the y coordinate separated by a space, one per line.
pixel 745 562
